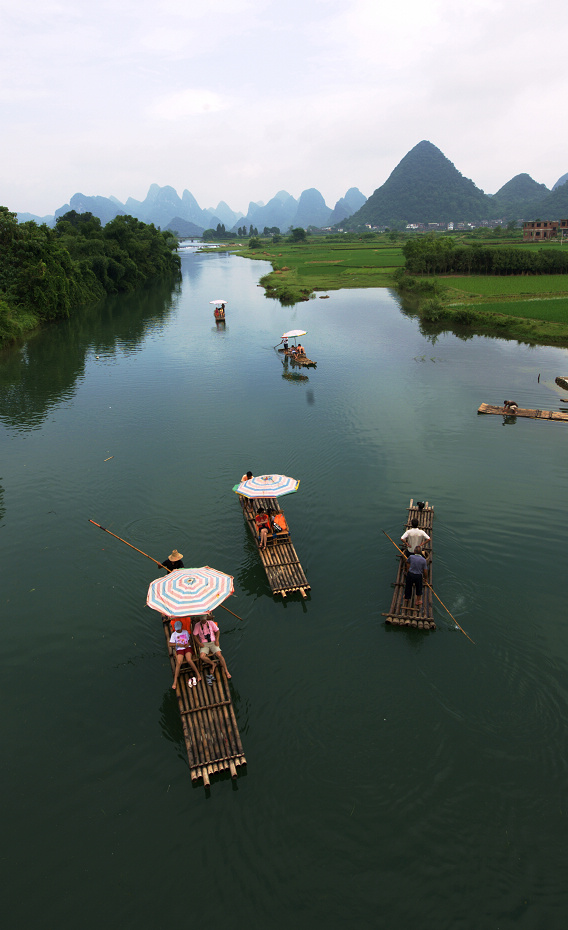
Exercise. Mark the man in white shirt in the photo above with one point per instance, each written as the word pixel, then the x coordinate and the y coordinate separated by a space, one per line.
pixel 414 537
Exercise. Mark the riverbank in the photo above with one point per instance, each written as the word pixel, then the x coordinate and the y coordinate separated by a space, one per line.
pixel 322 264
pixel 530 308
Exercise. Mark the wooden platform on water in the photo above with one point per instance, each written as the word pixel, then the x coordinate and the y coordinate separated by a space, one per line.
pixel 302 360
pixel 421 618
pixel 210 731
pixel 280 560
pixel 521 412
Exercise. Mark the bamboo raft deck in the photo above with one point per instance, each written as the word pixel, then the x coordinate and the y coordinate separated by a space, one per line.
pixel 280 560
pixel 423 617
pixel 522 412
pixel 298 359
pixel 303 360
pixel 210 730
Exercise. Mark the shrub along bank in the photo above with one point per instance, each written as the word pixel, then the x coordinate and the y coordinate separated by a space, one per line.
pixel 45 273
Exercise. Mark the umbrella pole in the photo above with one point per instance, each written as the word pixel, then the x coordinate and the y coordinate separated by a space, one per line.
pixel 148 557
pixel 432 590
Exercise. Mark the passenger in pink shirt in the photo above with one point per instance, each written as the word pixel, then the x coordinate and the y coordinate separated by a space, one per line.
pixel 206 633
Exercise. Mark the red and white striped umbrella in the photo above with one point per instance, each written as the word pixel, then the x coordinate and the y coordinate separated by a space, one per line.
pixel 189 591
pixel 267 486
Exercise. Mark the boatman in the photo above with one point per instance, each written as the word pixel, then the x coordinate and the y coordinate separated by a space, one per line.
pixel 173 561
pixel 414 537
pixel 417 573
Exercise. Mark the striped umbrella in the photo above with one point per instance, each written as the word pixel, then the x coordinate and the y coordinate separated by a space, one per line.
pixel 189 591
pixel 267 486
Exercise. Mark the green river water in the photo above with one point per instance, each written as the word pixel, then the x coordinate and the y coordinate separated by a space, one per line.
pixel 395 779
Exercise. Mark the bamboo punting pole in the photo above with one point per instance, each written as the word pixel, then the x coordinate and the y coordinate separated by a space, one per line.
pixel 451 615
pixel 104 529
pixel 433 592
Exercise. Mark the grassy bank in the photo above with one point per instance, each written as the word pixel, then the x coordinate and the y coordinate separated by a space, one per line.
pixel 322 264
pixel 530 308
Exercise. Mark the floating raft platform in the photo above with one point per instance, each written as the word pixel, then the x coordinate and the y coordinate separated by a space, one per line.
pixel 280 560
pixel 303 360
pixel 210 731
pixel 520 412
pixel 412 616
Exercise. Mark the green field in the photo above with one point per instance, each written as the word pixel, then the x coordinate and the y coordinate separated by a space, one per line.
pixel 553 310
pixel 323 265
pixel 507 285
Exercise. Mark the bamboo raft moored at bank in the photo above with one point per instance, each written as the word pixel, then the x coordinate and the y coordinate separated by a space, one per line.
pixel 210 730
pixel 412 616
pixel 521 412
pixel 280 560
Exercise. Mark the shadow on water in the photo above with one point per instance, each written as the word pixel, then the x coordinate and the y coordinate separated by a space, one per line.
pixel 48 365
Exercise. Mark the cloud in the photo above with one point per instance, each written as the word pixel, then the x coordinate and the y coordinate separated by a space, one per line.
pixel 184 103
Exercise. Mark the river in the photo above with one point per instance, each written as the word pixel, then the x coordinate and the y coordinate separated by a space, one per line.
pixel 395 778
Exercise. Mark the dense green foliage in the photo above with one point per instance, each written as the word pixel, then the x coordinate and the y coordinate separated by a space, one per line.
pixel 425 187
pixel 45 272
pixel 439 255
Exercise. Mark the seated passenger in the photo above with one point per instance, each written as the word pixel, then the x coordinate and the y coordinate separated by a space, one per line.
pixel 263 526
pixel 206 632
pixel 181 639
pixel 277 521
pixel 300 349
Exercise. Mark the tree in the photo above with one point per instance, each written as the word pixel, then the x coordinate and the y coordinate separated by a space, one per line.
pixel 297 235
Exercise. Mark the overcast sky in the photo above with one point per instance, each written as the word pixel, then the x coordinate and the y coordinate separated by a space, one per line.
pixel 237 99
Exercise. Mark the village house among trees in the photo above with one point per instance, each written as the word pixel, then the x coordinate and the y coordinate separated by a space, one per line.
pixel 544 229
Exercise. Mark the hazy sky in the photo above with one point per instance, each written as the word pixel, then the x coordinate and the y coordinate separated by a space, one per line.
pixel 237 99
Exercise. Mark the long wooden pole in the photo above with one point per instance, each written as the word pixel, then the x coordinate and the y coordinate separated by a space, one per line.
pixel 104 529
pixel 432 590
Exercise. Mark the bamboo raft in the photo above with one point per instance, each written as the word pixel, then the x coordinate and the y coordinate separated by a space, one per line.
pixel 412 616
pixel 280 559
pixel 210 730
pixel 303 360
pixel 298 359
pixel 531 414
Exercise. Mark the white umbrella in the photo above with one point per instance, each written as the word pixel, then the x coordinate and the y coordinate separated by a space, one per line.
pixel 294 333
pixel 218 302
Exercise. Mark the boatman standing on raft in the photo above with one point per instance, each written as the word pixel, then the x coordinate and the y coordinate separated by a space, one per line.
pixel 414 537
pixel 417 573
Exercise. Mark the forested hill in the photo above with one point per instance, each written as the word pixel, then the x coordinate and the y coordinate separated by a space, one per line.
pixel 425 187
pixel 45 273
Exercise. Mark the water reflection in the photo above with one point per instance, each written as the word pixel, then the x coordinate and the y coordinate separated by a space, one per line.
pixel 46 369
pixel 293 376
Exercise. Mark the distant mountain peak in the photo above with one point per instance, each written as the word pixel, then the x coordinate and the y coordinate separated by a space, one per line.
pixel 425 187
